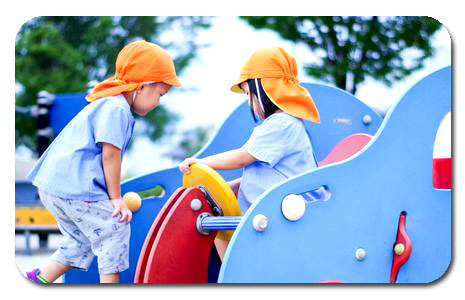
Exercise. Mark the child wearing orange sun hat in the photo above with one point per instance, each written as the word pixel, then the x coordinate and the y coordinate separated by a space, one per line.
pixel 276 70
pixel 78 176
pixel 137 63
pixel 279 148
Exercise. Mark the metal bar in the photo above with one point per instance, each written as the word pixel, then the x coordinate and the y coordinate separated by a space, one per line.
pixel 220 223
pixel 27 236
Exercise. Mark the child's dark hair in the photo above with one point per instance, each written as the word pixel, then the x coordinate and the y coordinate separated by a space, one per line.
pixel 268 106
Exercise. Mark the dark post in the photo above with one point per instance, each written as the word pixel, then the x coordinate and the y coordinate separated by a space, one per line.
pixel 44 131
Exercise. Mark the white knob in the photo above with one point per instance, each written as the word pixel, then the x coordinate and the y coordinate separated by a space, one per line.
pixel 260 222
pixel 196 204
pixel 366 119
pixel 360 254
pixel 293 207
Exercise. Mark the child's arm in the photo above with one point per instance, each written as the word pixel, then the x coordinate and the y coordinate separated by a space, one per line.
pixel 111 158
pixel 229 160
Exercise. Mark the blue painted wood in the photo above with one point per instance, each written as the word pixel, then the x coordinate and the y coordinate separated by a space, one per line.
pixel 64 108
pixel 369 191
pixel 341 115
pixel 26 194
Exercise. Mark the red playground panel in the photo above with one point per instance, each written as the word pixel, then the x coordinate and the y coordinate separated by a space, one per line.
pixel 144 254
pixel 442 173
pixel 179 253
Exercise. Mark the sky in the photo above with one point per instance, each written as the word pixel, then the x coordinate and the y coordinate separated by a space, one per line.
pixel 208 99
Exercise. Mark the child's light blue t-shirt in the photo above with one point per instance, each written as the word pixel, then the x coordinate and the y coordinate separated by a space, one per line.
pixel 282 149
pixel 71 167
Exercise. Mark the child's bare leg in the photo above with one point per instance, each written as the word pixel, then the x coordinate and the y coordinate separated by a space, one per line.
pixel 53 269
pixel 109 278
pixel 221 246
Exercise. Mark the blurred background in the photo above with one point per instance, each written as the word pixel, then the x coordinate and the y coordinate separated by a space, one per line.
pixel 375 58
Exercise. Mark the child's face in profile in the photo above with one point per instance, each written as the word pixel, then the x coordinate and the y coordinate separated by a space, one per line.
pixel 253 100
pixel 148 97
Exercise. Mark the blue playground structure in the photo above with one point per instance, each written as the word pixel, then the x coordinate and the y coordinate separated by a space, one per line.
pixel 390 177
pixel 381 220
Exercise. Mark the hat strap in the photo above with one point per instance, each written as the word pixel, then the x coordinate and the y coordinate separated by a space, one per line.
pixel 133 97
pixel 258 95
pixel 135 91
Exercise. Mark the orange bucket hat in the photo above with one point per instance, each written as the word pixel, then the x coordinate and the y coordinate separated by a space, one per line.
pixel 137 63
pixel 277 71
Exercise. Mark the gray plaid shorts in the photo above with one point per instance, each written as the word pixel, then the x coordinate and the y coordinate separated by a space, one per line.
pixel 89 230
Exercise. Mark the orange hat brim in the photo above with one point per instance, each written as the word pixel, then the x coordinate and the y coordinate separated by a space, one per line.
pixel 236 88
pixel 174 81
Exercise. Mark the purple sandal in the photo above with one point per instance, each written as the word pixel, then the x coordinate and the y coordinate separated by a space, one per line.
pixel 33 275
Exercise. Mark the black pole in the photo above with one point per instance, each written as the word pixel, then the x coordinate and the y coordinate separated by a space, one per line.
pixel 44 131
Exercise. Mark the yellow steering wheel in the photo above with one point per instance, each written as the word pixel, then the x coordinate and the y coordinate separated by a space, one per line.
pixel 203 176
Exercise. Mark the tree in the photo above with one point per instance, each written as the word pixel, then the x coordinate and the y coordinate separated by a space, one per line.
pixel 351 49
pixel 62 54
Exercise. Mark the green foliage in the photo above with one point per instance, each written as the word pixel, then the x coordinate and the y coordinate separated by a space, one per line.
pixel 62 54
pixel 351 49
pixel 195 139
pixel 192 141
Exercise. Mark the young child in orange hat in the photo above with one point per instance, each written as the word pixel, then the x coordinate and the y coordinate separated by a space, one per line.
pixel 279 147
pixel 78 176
